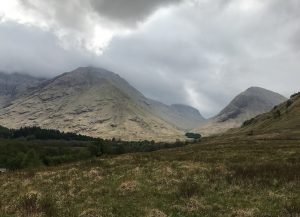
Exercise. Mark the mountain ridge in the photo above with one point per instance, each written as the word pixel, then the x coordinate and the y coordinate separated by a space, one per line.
pixel 94 102
pixel 14 85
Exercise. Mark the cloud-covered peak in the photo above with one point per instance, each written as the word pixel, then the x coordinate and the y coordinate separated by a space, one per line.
pixel 196 52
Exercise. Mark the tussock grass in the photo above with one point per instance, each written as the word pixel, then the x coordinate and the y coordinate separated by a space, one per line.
pixel 216 177
pixel 35 204
pixel 188 187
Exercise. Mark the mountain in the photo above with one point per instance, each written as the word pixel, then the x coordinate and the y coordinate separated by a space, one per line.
pixel 183 117
pixel 282 122
pixel 14 85
pixel 98 103
pixel 248 104
pixel 191 117
pixel 253 101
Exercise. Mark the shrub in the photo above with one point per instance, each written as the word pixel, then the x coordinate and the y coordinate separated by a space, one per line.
pixel 33 203
pixel 188 187
pixel 16 162
pixel 193 135
pixel 289 103
pixel 292 207
pixel 250 133
pixel 295 94
pixel 29 203
pixel 248 122
pixel 265 173
pixel 31 160
pixel 276 114
pixel 48 206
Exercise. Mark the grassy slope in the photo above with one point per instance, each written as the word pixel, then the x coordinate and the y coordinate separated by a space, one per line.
pixel 282 122
pixel 229 175
pixel 214 178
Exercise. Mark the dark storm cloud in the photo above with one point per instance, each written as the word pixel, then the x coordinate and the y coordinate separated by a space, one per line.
pixel 76 12
pixel 128 11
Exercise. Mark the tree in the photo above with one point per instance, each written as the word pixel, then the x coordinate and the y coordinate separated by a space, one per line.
pixel 193 136
pixel 4 132
pixel 276 114
pixel 16 162
pixel 31 160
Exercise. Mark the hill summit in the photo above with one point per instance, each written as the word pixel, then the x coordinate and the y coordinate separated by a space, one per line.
pixel 94 102
pixel 248 104
pixel 251 102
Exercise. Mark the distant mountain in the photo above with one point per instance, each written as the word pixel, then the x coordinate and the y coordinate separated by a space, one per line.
pixel 248 104
pixel 99 103
pixel 183 117
pixel 253 101
pixel 188 111
pixel 14 85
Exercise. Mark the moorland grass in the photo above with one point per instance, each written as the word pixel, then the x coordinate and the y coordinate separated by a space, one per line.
pixel 216 177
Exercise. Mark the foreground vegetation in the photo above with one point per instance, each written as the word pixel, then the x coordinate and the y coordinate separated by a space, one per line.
pixel 216 177
pixel 253 171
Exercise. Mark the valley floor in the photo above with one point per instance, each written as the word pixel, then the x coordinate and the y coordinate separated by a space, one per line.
pixel 217 177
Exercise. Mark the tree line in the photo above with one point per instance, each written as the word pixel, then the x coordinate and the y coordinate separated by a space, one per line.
pixel 31 147
pixel 41 134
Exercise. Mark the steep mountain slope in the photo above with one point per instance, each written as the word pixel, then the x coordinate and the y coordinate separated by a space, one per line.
pixel 190 114
pixel 89 101
pixel 248 104
pixel 13 85
pixel 253 101
pixel 282 121
pixel 182 116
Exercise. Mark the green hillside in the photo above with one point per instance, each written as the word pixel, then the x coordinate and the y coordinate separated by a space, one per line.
pixel 283 121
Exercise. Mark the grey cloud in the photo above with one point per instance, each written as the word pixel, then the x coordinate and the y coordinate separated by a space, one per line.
pixel 128 11
pixel 76 13
pixel 214 49
pixel 201 54
pixel 34 51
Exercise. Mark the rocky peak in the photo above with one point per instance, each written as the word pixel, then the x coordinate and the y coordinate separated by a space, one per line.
pixel 253 101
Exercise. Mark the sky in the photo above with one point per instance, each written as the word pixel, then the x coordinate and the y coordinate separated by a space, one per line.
pixel 196 52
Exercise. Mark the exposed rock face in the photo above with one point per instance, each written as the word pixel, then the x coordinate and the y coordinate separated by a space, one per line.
pixel 248 104
pixel 89 101
pixel 14 85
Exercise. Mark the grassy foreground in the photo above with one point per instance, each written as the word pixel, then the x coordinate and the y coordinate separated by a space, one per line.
pixel 217 177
